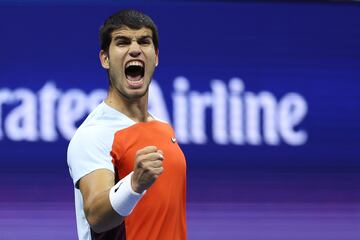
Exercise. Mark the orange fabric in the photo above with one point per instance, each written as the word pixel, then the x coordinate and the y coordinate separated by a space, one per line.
pixel 160 214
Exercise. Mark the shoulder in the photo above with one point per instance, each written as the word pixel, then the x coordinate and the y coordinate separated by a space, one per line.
pixel 164 123
pixel 160 120
pixel 90 147
pixel 100 126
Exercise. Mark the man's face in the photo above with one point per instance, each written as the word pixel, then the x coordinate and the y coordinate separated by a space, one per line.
pixel 131 61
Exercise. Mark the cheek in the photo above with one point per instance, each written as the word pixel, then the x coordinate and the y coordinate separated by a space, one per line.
pixel 117 55
pixel 153 60
pixel 116 64
pixel 115 73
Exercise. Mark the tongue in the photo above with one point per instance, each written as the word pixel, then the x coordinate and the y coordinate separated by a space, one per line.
pixel 135 81
pixel 133 78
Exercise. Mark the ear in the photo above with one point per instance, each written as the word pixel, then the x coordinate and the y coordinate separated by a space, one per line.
pixel 104 59
pixel 156 57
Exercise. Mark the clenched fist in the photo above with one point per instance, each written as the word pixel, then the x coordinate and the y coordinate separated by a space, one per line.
pixel 148 167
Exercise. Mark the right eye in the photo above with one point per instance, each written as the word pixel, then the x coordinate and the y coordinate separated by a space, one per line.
pixel 122 42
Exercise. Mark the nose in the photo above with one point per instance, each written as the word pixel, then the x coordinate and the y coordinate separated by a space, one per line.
pixel 134 50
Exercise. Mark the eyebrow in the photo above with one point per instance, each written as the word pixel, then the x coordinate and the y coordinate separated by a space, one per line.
pixel 126 37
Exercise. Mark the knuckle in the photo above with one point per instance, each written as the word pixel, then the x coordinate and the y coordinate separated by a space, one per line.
pixel 147 170
pixel 142 158
pixel 153 148
pixel 138 153
pixel 158 163
pixel 140 164
pixel 152 172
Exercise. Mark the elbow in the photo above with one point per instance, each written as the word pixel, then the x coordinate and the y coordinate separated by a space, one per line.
pixel 99 223
pixel 96 222
pixel 97 228
pixel 93 220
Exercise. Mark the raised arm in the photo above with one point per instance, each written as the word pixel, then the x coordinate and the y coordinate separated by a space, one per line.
pixel 105 204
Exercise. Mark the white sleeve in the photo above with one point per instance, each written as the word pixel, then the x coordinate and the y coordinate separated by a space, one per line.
pixel 89 150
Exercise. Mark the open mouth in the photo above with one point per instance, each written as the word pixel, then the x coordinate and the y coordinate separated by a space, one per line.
pixel 134 72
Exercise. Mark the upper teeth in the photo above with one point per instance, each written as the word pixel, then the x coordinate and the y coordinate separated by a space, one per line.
pixel 134 63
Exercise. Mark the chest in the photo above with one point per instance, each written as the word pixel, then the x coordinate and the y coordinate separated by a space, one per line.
pixel 128 141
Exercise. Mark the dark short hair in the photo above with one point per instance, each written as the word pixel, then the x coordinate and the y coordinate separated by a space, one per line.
pixel 126 18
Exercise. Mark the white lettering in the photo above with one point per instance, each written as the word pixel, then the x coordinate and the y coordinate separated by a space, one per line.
pixel 236 116
pixel 72 108
pixel 5 95
pixel 199 102
pixel 264 102
pixel 157 105
pixel 292 110
pixel 20 123
pixel 180 109
pixel 236 111
pixel 95 98
pixel 48 96
pixel 269 107
pixel 219 112
pixel 253 136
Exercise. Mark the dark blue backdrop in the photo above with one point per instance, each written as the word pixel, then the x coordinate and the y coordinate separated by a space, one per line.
pixel 278 48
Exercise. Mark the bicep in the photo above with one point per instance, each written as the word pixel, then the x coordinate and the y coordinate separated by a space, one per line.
pixel 95 183
pixel 95 188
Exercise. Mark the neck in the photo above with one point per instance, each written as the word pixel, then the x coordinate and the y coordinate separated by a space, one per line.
pixel 135 109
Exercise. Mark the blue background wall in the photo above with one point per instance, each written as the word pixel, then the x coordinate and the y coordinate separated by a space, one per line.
pixel 249 191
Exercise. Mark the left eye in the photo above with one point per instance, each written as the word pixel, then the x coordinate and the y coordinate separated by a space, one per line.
pixel 144 42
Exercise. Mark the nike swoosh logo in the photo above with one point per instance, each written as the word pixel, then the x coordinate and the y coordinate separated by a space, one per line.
pixel 173 140
pixel 115 190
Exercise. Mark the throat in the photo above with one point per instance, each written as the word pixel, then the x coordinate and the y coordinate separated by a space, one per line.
pixel 134 109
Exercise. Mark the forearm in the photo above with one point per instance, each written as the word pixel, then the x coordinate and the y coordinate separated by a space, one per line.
pixel 105 205
pixel 107 208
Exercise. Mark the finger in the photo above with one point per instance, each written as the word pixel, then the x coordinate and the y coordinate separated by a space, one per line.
pixel 155 164
pixel 157 171
pixel 146 150
pixel 153 156
pixel 161 152
pixel 149 165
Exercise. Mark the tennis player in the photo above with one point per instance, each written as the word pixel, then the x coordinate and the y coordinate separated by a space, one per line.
pixel 129 173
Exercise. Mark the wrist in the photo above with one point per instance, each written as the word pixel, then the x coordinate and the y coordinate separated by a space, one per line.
pixel 135 186
pixel 123 198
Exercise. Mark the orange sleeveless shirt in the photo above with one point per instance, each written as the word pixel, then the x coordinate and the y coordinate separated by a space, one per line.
pixel 161 213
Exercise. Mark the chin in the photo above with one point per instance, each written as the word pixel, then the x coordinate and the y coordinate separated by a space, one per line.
pixel 135 94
